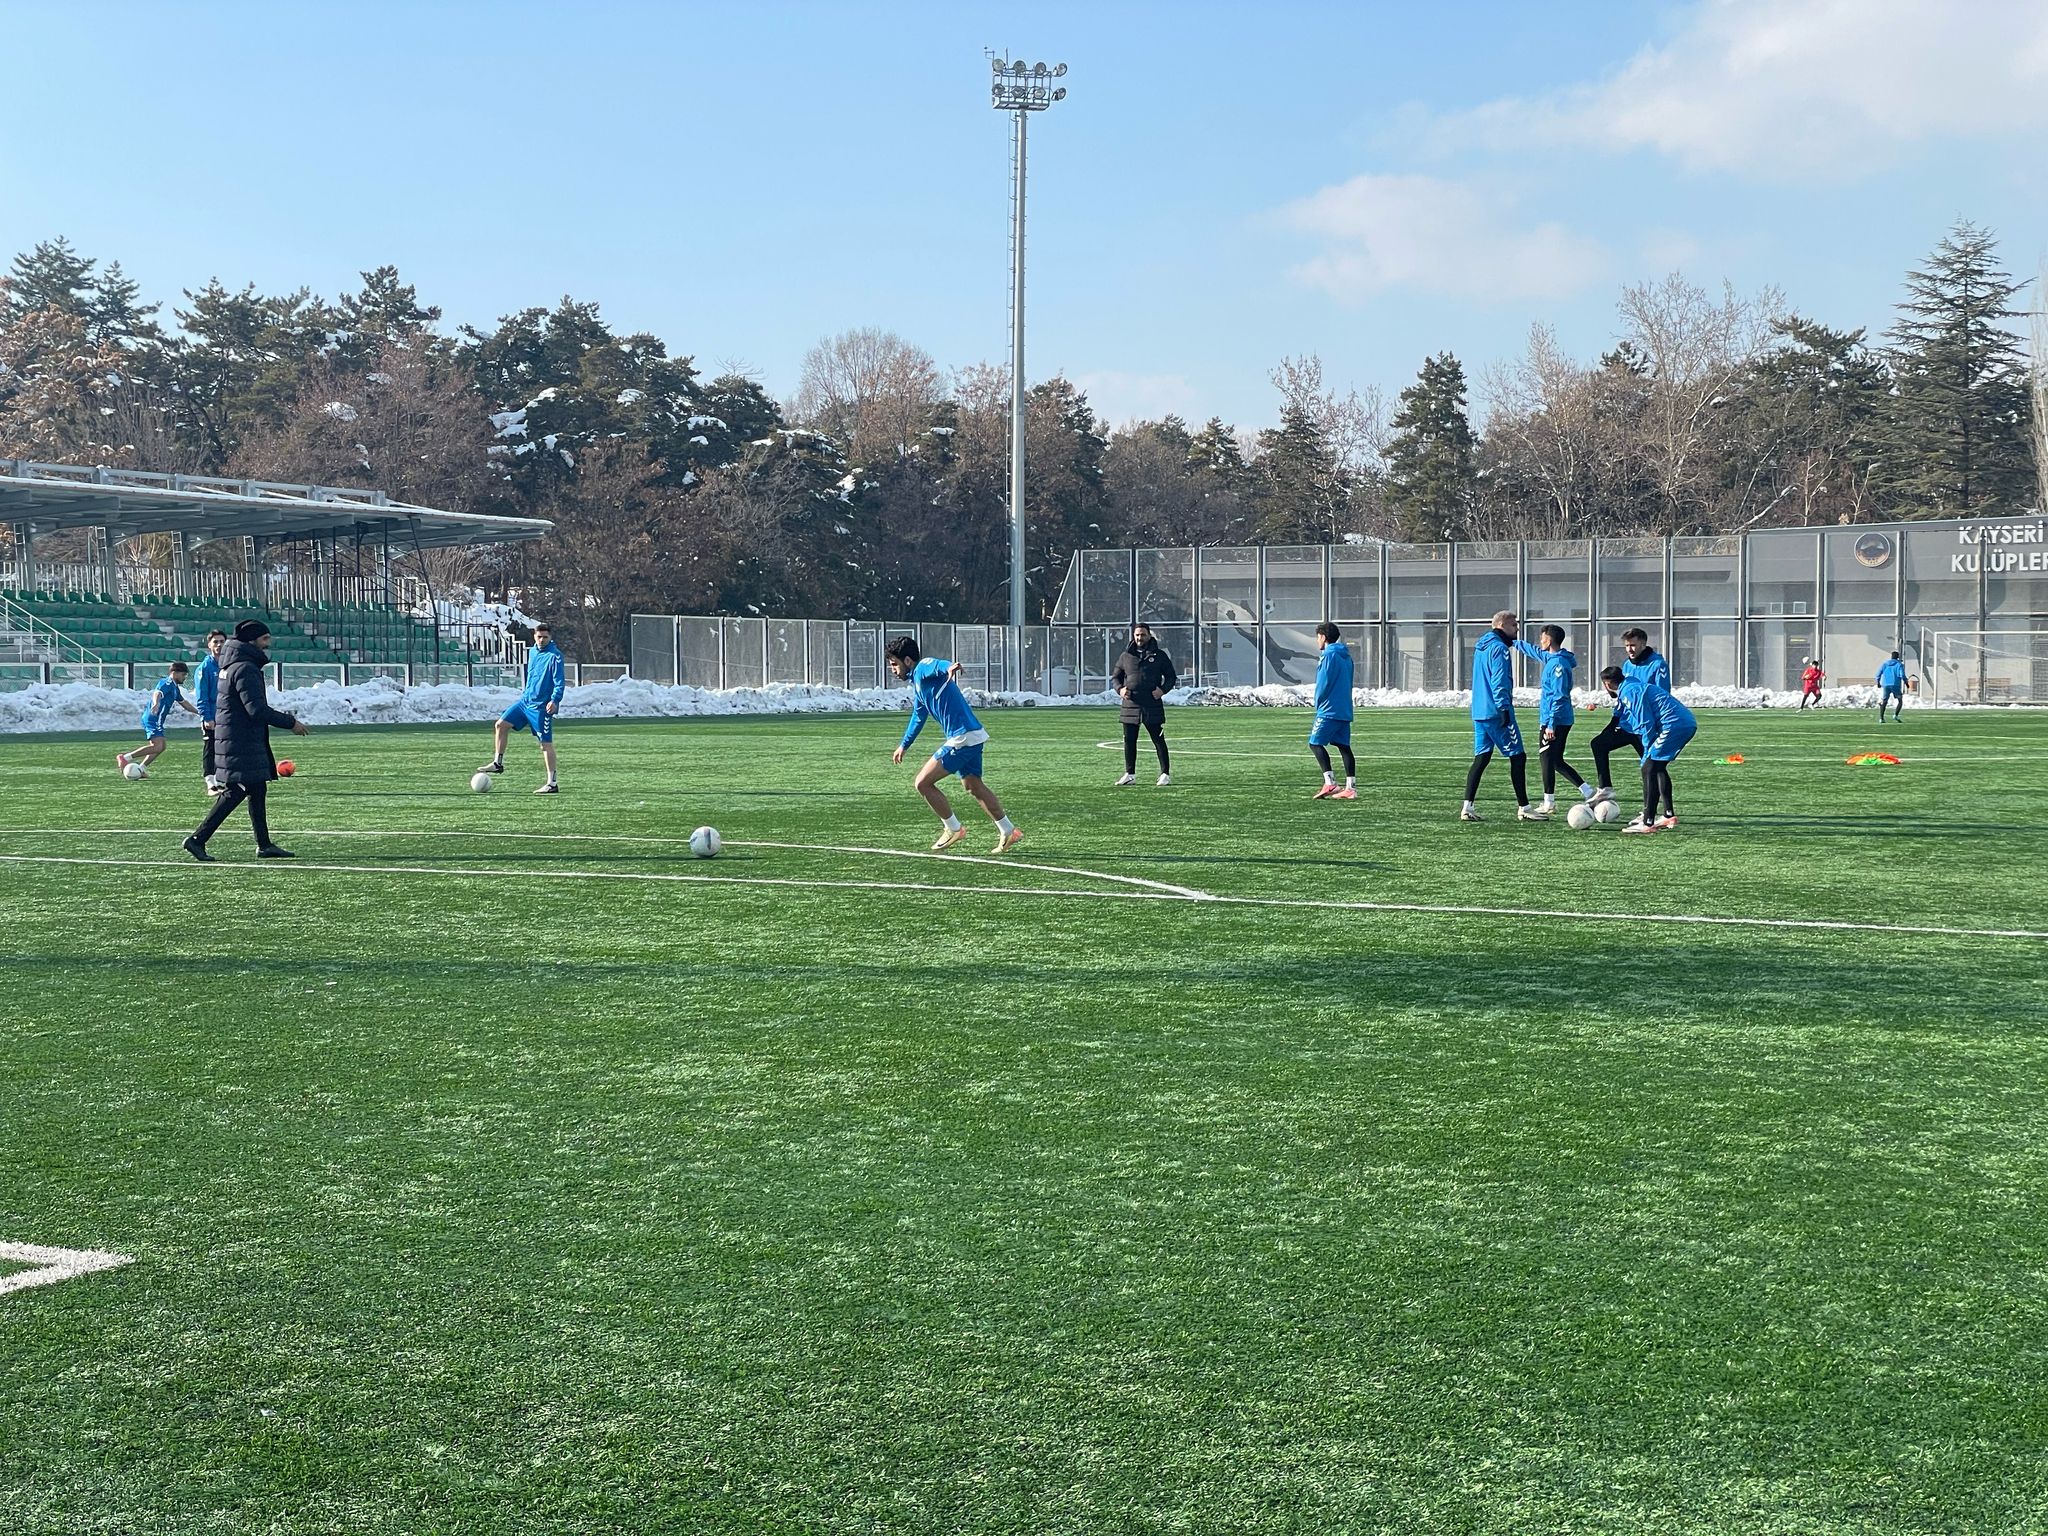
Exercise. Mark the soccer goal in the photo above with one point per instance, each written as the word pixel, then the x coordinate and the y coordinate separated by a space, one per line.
pixel 1986 666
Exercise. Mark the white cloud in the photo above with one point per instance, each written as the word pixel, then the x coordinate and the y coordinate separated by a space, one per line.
pixel 1437 236
pixel 1121 398
pixel 1789 87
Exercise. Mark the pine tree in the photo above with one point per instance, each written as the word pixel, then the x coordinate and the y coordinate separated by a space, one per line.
pixel 1431 482
pixel 1304 494
pixel 1954 435
pixel 386 311
pixel 52 276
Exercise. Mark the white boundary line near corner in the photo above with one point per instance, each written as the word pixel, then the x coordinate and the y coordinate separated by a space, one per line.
pixel 53 1264
pixel 1420 908
pixel 980 861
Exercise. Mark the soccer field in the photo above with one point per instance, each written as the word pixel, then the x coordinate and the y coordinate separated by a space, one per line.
pixel 1221 1161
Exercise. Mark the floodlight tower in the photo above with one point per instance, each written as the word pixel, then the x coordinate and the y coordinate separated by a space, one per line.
pixel 1019 89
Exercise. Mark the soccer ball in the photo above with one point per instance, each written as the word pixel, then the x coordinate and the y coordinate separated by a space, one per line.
pixel 287 768
pixel 481 783
pixel 134 771
pixel 1579 817
pixel 705 843
pixel 1606 811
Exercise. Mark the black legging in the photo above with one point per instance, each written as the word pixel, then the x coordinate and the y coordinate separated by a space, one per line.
pixel 206 751
pixel 1612 736
pixel 1323 758
pixel 1518 774
pixel 1552 758
pixel 1157 730
pixel 1656 789
pixel 259 814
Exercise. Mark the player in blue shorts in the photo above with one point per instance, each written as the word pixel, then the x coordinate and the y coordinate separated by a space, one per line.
pixel 168 694
pixel 1493 718
pixel 1333 713
pixel 535 709
pixel 935 695
pixel 1647 710
pixel 1892 683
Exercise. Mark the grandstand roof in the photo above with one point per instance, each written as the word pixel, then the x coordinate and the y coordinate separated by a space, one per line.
pixel 128 502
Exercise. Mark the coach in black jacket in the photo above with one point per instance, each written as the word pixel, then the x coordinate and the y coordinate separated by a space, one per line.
pixel 1144 676
pixel 241 740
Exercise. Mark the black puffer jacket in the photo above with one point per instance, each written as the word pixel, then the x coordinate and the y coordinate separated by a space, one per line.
pixel 1139 672
pixel 241 730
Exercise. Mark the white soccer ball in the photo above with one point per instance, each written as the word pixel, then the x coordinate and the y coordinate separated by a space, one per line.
pixel 1579 817
pixel 481 783
pixel 134 771
pixel 1606 811
pixel 705 843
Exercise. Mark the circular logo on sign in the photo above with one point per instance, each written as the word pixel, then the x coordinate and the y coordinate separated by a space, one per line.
pixel 1874 550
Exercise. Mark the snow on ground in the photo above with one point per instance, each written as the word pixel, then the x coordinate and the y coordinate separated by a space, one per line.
pixel 380 701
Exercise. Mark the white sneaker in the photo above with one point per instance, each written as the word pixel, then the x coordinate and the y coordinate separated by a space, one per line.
pixel 1466 813
pixel 1128 778
pixel 1598 795
pixel 1164 780
pixel 1531 813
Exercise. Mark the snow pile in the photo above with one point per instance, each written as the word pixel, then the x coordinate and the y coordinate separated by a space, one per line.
pixel 381 701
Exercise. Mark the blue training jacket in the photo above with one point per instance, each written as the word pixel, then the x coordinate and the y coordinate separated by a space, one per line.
pixel 163 699
pixel 1333 682
pixel 1651 669
pixel 1892 675
pixel 1554 705
pixel 545 675
pixel 1493 676
pixel 206 691
pixel 935 696
pixel 1649 711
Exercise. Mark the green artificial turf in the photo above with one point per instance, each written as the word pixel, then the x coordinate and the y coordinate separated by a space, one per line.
pixel 504 1201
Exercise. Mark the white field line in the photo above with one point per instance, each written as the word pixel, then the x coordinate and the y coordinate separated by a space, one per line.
pixel 53 1264
pixel 623 837
pixel 1430 909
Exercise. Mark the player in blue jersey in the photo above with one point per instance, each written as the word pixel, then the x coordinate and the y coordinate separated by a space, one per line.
pixel 1493 717
pixel 1640 663
pixel 534 710
pixel 1664 726
pixel 1554 713
pixel 1332 726
pixel 1892 683
pixel 935 695
pixel 206 693
pixel 168 694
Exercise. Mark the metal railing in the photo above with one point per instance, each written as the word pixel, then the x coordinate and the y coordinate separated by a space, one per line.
pixel 143 583
pixel 45 636
pixel 132 676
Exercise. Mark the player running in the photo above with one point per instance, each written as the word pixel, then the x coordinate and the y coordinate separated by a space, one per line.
pixel 1554 713
pixel 206 688
pixel 1333 713
pixel 1892 683
pixel 935 695
pixel 535 708
pixel 1641 664
pixel 1664 726
pixel 1493 718
pixel 166 695
pixel 1809 684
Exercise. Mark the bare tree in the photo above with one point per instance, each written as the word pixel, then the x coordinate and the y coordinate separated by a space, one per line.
pixel 871 390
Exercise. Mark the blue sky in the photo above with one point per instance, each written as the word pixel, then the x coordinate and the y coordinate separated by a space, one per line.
pixel 1224 186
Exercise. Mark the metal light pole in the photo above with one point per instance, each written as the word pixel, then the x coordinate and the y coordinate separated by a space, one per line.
pixel 1019 89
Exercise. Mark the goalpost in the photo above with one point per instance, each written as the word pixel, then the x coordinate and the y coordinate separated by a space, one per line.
pixel 1986 666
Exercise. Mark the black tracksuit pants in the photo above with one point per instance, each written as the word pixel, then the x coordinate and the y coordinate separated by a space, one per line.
pixel 1553 760
pixel 1612 736
pixel 259 813
pixel 1157 730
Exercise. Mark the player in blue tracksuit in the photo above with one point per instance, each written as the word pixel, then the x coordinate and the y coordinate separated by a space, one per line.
pixel 1554 713
pixel 1664 726
pixel 1640 663
pixel 935 695
pixel 534 710
pixel 206 693
pixel 1891 680
pixel 168 694
pixel 1332 726
pixel 1493 717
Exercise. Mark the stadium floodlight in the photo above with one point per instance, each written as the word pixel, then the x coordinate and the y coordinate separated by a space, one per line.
pixel 1019 89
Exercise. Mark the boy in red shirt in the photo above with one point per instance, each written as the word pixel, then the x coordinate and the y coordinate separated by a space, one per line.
pixel 1809 685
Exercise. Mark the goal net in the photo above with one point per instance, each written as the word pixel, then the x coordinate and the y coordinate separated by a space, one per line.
pixel 1988 666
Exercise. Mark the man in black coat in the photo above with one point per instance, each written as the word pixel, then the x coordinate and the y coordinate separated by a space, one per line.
pixel 1144 676
pixel 241 740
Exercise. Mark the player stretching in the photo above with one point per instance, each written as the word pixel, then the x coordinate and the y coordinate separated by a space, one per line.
pixel 1333 714
pixel 1809 684
pixel 935 695
pixel 535 709
pixel 1891 680
pixel 1554 714
pixel 168 692
pixel 1493 717
pixel 1664 726
pixel 207 687
pixel 1642 664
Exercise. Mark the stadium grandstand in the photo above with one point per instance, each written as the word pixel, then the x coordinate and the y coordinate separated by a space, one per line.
pixel 319 563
